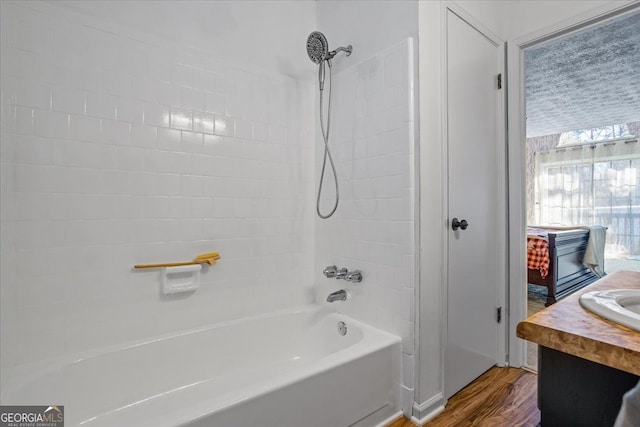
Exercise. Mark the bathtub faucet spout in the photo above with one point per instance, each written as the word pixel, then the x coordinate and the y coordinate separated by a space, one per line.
pixel 340 295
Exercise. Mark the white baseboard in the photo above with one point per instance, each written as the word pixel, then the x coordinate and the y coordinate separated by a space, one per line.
pixel 422 421
pixel 391 419
pixel 428 409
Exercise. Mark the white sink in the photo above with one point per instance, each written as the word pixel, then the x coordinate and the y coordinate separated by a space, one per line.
pixel 621 306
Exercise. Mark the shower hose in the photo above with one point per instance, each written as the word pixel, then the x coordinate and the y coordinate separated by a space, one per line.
pixel 325 137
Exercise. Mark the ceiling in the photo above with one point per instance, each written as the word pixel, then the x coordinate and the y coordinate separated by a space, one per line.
pixel 587 79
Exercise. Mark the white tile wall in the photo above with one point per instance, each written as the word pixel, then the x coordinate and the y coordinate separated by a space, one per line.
pixel 373 229
pixel 118 151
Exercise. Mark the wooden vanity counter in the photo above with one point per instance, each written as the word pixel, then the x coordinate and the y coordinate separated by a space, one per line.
pixel 585 363
pixel 567 327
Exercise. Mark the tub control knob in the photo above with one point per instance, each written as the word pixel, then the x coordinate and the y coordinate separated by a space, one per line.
pixel 330 271
pixel 354 276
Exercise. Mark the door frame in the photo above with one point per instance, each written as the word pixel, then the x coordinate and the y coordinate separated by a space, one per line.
pixel 517 154
pixel 501 351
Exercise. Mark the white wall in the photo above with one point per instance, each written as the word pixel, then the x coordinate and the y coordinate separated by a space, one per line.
pixel 269 34
pixel 494 14
pixel 373 141
pixel 369 26
pixel 432 185
pixel 515 18
pixel 121 148
pixel 527 16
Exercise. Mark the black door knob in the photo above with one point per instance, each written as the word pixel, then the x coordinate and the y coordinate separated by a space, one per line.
pixel 456 223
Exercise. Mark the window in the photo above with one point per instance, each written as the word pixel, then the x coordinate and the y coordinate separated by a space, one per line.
pixel 593 184
pixel 603 133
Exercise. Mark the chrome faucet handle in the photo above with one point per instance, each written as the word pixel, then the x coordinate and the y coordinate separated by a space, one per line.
pixel 342 273
pixel 330 271
pixel 354 276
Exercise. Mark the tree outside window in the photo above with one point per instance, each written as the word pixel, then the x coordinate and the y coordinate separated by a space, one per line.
pixel 603 133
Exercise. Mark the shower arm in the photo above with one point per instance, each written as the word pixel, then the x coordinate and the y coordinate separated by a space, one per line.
pixel 347 50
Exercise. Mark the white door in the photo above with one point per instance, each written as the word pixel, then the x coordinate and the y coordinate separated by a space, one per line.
pixel 475 263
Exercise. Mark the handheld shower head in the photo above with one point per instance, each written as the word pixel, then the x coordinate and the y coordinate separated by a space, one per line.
pixel 318 51
pixel 317 47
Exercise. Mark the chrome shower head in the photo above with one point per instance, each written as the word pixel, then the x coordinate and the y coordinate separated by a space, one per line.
pixel 317 47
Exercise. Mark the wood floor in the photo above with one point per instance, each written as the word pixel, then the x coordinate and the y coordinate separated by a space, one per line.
pixel 501 397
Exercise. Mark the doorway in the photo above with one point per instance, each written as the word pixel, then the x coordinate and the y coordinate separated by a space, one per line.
pixel 582 154
pixel 520 214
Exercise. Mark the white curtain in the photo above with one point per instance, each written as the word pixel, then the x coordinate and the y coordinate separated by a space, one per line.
pixel 592 184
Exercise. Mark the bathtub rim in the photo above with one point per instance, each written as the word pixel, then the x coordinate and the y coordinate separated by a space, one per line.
pixel 202 409
pixel 373 339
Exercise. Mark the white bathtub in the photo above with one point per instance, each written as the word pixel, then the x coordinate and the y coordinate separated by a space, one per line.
pixel 290 368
